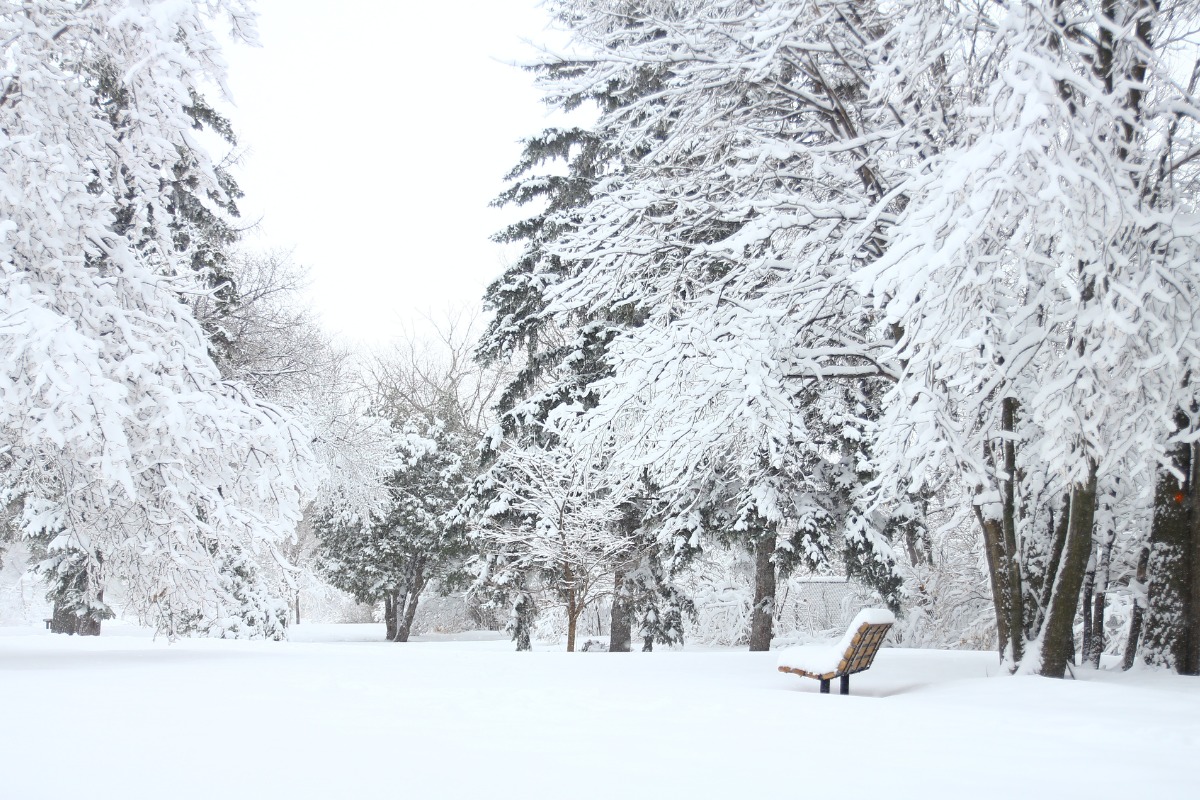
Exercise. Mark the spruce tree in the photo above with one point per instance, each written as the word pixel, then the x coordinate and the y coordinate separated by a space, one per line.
pixel 559 361
pixel 418 538
pixel 203 235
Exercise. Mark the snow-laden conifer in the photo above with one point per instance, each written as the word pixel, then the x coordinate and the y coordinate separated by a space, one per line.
pixel 982 217
pixel 118 432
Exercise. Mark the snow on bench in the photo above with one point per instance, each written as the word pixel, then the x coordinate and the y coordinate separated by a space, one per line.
pixel 854 653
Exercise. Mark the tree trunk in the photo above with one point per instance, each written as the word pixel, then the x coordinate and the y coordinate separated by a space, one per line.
pixel 1169 592
pixel 572 618
pixel 297 608
pixel 1192 655
pixel 1089 588
pixel 406 606
pixel 79 614
pixel 89 623
pixel 917 542
pixel 63 620
pixel 1043 589
pixel 1098 603
pixel 389 615
pixel 1135 634
pixel 524 613
pixel 1139 610
pixel 88 626
pixel 763 614
pixel 1015 603
pixel 1097 637
pixel 1058 638
pixel 406 613
pixel 620 627
pixel 990 528
pixel 569 593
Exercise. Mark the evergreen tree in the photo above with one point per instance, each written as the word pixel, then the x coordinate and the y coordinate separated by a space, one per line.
pixel 203 235
pixel 559 360
pixel 666 230
pixel 417 538
pixel 119 433
pixel 75 581
pixel 834 196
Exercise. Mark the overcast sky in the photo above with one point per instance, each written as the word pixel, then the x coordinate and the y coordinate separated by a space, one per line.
pixel 376 133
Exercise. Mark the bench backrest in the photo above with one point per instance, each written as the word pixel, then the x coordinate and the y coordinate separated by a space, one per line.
pixel 863 647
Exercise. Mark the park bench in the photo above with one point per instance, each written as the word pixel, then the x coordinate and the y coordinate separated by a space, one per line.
pixel 854 653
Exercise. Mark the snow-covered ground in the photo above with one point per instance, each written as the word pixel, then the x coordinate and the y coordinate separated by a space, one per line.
pixel 332 714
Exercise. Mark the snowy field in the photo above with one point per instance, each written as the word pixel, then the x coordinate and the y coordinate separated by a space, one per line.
pixel 333 714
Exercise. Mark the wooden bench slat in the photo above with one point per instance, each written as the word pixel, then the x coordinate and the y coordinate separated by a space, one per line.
pixel 859 654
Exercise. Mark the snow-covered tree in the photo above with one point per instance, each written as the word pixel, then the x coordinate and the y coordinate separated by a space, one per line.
pixel 986 211
pixel 716 389
pixel 546 523
pixel 437 401
pixel 559 359
pixel 272 341
pixel 418 537
pixel 436 376
pixel 117 432
pixel 1039 274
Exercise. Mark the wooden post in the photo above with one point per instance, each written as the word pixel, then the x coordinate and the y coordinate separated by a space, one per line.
pixel 845 684
pixel 824 686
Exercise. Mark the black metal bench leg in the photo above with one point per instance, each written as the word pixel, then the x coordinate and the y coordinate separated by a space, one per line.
pixel 845 684
pixel 824 686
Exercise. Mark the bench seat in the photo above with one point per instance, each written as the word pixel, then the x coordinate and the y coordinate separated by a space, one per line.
pixel 854 653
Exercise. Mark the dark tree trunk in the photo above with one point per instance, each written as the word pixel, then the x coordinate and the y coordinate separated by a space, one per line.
pixel 1000 543
pixel 569 592
pixel 1015 602
pixel 1098 604
pixel 407 612
pixel 620 627
pixel 75 616
pixel 1192 654
pixel 389 615
pixel 406 603
pixel 1097 637
pixel 89 624
pixel 572 626
pixel 1135 634
pixel 915 555
pixel 64 620
pixel 524 613
pixel 992 550
pixel 1058 639
pixel 1089 588
pixel 1138 613
pixel 762 616
pixel 1169 592
pixel 1045 585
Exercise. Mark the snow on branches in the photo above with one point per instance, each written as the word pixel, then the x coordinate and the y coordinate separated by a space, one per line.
pixel 546 520
pixel 116 428
pixel 979 221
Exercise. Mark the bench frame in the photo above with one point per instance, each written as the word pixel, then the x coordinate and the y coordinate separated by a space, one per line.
pixel 859 656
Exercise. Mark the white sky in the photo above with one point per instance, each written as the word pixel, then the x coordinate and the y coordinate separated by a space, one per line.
pixel 376 133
